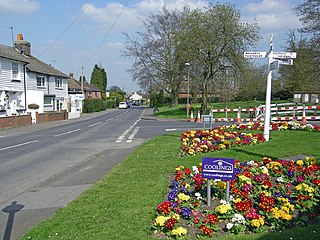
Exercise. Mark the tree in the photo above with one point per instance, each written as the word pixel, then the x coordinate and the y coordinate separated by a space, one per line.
pixel 99 77
pixel 303 75
pixel 310 17
pixel 157 66
pixel 214 40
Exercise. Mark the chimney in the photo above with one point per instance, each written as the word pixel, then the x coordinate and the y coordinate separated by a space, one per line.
pixel 23 46
pixel 71 75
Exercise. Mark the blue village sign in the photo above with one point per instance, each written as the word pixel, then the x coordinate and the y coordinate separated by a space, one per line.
pixel 218 168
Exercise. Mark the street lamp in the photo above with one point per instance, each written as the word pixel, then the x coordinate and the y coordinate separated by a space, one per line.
pixel 188 104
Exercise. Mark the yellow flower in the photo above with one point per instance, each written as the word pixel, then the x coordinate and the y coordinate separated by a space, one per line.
pixel 237 200
pixel 245 179
pixel 160 221
pixel 223 208
pixel 191 151
pixel 179 231
pixel 179 168
pixel 221 185
pixel 300 162
pixel 176 216
pixel 183 197
pixel 257 222
pixel 187 186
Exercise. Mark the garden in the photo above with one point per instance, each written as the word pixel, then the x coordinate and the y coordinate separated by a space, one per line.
pixel 267 195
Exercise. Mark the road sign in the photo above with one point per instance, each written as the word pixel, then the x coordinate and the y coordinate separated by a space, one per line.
pixel 284 55
pixel 218 168
pixel 285 61
pixel 255 54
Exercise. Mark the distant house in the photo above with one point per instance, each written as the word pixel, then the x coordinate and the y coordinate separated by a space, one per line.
pixel 75 97
pixel 26 80
pixel 91 91
pixel 135 98
pixel 306 97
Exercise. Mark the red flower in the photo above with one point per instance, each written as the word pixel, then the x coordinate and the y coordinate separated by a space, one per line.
pixel 170 223
pixel 211 218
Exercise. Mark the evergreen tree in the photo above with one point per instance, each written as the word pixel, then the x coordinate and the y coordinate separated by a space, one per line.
pixel 99 77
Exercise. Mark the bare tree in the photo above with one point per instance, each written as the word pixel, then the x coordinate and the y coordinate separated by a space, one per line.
pixel 157 65
pixel 214 40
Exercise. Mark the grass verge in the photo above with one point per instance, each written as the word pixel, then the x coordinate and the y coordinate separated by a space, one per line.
pixel 121 205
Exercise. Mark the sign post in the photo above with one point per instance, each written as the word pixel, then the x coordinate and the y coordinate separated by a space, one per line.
pixel 217 168
pixel 275 59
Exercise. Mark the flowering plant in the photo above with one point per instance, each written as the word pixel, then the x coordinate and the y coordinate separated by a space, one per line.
pixel 265 195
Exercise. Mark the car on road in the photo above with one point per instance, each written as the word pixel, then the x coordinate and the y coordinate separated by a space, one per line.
pixel 123 105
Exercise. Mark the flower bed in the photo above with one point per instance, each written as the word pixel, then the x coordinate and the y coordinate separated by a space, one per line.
pixel 265 196
pixel 224 137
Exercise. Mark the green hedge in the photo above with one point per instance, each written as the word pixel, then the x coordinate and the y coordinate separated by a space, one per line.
pixel 93 105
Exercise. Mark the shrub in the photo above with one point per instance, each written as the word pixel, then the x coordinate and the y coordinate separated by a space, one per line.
pixel 93 105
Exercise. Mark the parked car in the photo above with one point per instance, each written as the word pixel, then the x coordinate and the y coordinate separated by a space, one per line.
pixel 123 105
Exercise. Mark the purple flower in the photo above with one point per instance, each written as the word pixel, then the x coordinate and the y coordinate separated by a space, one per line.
pixel 172 196
pixel 300 178
pixel 185 213
pixel 290 173
pixel 257 178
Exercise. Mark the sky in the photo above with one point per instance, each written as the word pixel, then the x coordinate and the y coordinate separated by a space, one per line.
pixel 74 35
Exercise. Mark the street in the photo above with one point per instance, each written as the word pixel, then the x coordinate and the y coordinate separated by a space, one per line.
pixel 44 167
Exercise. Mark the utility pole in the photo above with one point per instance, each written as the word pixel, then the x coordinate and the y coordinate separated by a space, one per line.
pixel 82 79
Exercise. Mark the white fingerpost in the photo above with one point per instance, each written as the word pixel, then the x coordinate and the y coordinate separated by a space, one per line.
pixel 275 59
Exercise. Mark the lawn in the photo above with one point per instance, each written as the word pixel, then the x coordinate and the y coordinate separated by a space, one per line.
pixel 122 204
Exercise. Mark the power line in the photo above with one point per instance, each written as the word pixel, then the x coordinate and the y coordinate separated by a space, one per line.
pixel 66 30
pixel 107 34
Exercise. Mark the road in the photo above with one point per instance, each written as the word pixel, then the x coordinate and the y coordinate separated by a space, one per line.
pixel 44 167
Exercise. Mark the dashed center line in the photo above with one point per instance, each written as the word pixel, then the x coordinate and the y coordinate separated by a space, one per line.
pixel 95 124
pixel 61 134
pixel 18 145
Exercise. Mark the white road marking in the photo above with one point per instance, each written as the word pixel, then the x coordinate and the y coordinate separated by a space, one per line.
pixel 133 134
pixel 95 124
pixel 61 134
pixel 18 145
pixel 122 136
pixel 109 119
pixel 171 129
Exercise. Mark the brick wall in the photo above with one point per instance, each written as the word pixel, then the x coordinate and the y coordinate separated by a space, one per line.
pixel 12 121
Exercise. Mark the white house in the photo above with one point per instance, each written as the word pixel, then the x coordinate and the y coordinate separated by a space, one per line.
pixel 26 80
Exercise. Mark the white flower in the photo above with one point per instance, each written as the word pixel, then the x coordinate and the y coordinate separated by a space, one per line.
pixel 224 202
pixel 229 225
pixel 195 169
pixel 198 195
pixel 280 179
pixel 252 163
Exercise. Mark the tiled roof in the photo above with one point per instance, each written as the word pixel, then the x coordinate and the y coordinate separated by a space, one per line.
pixel 74 84
pixel 33 64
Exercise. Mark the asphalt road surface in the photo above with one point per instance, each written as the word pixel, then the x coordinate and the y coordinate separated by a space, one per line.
pixel 44 167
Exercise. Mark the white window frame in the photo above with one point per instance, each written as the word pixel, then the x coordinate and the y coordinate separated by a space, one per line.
pixel 41 80
pixel 15 71
pixel 58 82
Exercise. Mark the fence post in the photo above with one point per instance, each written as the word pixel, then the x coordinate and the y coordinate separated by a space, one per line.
pixel 238 119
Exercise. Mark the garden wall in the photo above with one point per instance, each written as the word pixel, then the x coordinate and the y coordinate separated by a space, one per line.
pixel 20 120
pixel 12 121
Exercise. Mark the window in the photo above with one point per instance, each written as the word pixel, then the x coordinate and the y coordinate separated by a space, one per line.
pixel 47 100
pixel 40 81
pixel 58 82
pixel 15 70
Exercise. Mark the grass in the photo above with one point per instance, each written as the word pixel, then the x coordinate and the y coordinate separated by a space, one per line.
pixel 121 205
pixel 180 112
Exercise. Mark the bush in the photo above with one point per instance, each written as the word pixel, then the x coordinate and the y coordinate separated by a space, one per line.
pixel 93 105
